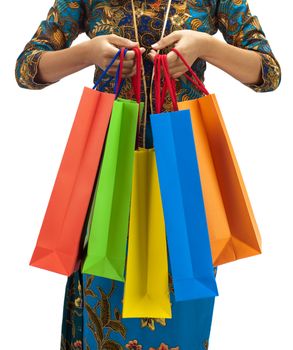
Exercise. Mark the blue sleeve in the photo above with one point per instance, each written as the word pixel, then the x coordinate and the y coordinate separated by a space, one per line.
pixel 64 22
pixel 242 29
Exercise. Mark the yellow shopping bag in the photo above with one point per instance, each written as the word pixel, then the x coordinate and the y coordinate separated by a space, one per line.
pixel 146 292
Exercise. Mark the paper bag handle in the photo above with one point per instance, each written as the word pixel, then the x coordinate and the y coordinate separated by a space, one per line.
pixel 169 83
pixel 197 82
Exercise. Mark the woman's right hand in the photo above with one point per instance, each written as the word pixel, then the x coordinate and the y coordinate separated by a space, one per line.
pixel 102 49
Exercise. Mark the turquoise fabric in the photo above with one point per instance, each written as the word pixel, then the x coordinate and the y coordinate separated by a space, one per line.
pixel 66 19
pixel 92 305
pixel 92 319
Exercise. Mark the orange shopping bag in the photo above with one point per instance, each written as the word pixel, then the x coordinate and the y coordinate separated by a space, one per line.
pixel 232 227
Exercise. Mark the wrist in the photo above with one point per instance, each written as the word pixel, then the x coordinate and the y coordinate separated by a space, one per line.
pixel 85 53
pixel 207 47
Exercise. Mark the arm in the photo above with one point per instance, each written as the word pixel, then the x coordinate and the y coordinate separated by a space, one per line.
pixel 244 65
pixel 48 57
pixel 54 36
pixel 245 54
pixel 100 51
pixel 243 32
pixel 55 65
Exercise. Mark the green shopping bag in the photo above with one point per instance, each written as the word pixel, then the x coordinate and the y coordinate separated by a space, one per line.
pixel 108 224
pixel 108 227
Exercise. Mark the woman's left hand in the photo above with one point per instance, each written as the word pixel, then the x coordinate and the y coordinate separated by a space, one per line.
pixel 191 44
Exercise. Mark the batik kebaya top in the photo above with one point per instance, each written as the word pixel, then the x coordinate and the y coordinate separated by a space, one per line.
pixel 92 306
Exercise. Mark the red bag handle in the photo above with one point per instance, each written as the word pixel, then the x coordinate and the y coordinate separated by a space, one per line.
pixel 157 82
pixel 197 82
pixel 136 84
pixel 169 83
pixel 136 79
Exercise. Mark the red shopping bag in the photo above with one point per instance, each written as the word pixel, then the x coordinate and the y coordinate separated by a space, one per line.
pixel 58 245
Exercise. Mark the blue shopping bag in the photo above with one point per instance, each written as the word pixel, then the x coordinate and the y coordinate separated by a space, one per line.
pixel 184 213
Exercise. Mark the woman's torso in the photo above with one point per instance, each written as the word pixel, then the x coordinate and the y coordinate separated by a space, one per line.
pixel 115 16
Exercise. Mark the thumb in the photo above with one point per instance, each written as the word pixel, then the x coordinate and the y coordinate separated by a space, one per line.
pixel 166 41
pixel 122 42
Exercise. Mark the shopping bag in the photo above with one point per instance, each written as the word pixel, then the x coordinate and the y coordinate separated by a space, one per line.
pixel 146 292
pixel 232 227
pixel 59 241
pixel 106 248
pixel 184 212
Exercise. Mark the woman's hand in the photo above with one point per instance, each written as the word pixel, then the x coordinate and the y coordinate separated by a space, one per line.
pixel 102 49
pixel 191 44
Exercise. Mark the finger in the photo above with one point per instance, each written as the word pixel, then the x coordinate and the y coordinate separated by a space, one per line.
pixel 110 51
pixel 177 75
pixel 129 73
pixel 172 57
pixel 175 69
pixel 111 73
pixel 167 40
pixel 130 55
pixel 109 54
pixel 174 62
pixel 152 54
pixel 127 64
pixel 122 42
pixel 124 71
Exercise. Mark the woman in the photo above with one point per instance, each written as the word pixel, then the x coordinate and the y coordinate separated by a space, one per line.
pixel 92 306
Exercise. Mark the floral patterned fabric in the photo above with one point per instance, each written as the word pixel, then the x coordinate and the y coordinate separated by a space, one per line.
pixel 92 319
pixel 92 305
pixel 67 19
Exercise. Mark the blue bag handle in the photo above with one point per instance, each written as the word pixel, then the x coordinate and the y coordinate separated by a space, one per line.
pixel 110 79
pixel 117 77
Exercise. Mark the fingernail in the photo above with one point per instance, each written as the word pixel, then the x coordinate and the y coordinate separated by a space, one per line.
pixel 155 45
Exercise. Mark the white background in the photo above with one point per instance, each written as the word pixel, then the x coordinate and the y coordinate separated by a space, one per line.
pixel 254 309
